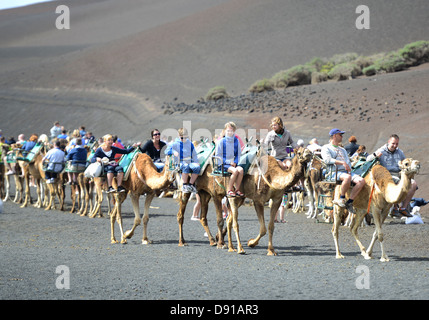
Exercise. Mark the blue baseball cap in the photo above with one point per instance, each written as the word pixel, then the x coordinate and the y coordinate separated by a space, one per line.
pixel 335 131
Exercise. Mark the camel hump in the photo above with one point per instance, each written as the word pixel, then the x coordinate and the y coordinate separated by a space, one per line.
pixel 381 176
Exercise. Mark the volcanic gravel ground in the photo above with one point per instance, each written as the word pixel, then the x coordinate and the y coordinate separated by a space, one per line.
pixel 34 242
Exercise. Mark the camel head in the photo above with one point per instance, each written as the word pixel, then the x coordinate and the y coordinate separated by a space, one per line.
pixel 304 155
pixel 409 166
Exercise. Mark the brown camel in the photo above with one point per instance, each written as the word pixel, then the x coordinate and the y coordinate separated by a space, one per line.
pixel 261 186
pixel 385 193
pixel 143 179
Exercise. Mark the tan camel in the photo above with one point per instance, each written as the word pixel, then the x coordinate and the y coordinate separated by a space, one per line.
pixel 263 186
pixel 143 179
pixel 385 193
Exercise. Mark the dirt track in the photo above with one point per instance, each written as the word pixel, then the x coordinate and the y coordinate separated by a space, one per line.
pixel 34 242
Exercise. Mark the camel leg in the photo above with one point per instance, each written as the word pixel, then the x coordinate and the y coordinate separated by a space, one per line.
pixel 274 208
pixel 148 201
pixel 355 224
pixel 259 208
pixel 378 234
pixel 184 198
pixel 205 198
pixel 232 220
pixel 137 220
pixel 335 230
pixel 112 227
pixel 97 204
pixel 38 204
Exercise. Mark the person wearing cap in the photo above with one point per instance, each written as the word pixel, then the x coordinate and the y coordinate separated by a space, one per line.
pixel 332 153
pixel 389 156
pixel 279 139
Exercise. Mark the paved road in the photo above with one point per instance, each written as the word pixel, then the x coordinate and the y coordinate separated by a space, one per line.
pixel 34 243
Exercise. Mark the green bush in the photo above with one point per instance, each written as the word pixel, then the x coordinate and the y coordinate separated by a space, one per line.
pixel 344 71
pixel 369 71
pixel 294 76
pixel 415 53
pixel 390 62
pixel 262 85
pixel 217 93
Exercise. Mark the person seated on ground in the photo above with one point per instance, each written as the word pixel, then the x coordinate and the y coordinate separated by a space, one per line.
pixel 154 149
pixel 228 149
pixel 106 154
pixel 279 139
pixel 183 149
pixel 389 156
pixel 55 157
pixel 332 154
pixel 77 156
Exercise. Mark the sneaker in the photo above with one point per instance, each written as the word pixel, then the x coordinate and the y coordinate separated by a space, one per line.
pixel 405 213
pixel 395 214
pixel 340 202
pixel 10 172
pixel 350 208
pixel 186 188
pixel 110 190
pixel 192 188
pixel 52 180
pixel 195 218
pixel 121 189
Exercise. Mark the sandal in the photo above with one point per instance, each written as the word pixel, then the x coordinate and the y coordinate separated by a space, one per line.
pixel 230 194
pixel 239 193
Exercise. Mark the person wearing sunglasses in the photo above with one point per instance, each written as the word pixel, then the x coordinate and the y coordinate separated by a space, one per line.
pixel 183 149
pixel 154 148
pixel 334 154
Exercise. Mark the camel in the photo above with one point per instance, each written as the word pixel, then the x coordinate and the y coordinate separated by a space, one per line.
pixel 313 176
pixel 143 179
pixel 379 194
pixel 263 186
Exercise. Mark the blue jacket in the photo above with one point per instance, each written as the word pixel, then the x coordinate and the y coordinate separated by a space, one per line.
pixel 185 150
pixel 228 148
pixel 77 155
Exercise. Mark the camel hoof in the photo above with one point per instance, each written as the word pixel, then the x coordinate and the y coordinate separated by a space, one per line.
pixel 241 251
pixel 231 250
pixel 128 234
pixel 252 243
pixel 183 244
pixel 384 259
pixel 147 241
pixel 271 253
pixel 221 246
pixel 114 241
pixel 339 256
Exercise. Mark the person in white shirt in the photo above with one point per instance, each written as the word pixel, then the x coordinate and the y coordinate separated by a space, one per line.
pixel 55 156
pixel 332 153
